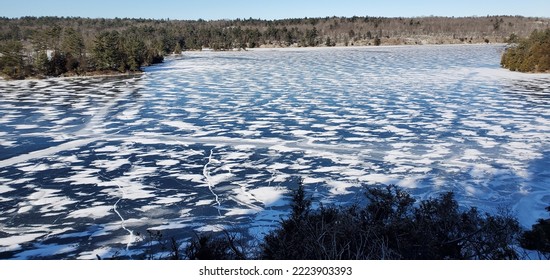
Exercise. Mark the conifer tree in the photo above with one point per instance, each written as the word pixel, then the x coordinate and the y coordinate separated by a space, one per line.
pixel 530 55
pixel 11 60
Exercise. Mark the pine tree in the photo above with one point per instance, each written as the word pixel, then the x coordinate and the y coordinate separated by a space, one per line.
pixel 134 48
pixel 11 59
pixel 177 49
pixel 538 238
pixel 58 64
pixel 530 55
pixel 73 49
pixel 42 64
pixel 107 51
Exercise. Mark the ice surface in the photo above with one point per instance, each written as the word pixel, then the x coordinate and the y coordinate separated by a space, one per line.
pixel 219 140
pixel 92 212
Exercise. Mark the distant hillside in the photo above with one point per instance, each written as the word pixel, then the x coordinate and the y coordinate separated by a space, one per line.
pixel 298 32
pixel 57 46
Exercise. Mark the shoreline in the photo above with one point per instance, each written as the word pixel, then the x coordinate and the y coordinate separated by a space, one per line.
pixel 321 47
pixel 74 77
pixel 291 48
pixel 263 48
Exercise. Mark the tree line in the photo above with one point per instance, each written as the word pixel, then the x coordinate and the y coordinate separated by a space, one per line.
pixel 530 54
pixel 56 51
pixel 56 46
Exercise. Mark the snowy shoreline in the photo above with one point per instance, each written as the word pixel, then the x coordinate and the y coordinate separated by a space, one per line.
pixel 75 77
pixel 504 73
pixel 171 57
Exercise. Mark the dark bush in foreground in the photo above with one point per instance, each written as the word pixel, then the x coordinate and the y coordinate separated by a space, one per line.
pixel 538 238
pixel 391 226
pixel 208 247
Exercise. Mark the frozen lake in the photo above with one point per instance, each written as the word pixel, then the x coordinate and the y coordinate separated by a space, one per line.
pixel 215 140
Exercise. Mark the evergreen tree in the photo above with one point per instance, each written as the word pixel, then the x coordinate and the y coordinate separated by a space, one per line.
pixel 73 49
pixel 58 64
pixel 391 226
pixel 538 238
pixel 42 64
pixel 11 59
pixel 107 51
pixel 135 52
pixel 177 49
pixel 311 37
pixel 45 39
pixel 530 55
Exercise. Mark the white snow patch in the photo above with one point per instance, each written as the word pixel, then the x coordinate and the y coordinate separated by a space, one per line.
pixel 25 126
pixel 14 242
pixel 129 114
pixel 167 162
pixel 47 250
pixel 300 133
pixel 339 188
pixel 35 168
pixel 269 196
pixel 204 202
pixel 379 179
pixel 218 178
pixel 240 211
pixel 111 165
pixel 282 148
pixel 181 125
pixel 472 154
pixel 45 152
pixel 278 166
pixel 245 147
pixel 5 189
pixel 168 200
pixel 92 255
pixel 212 228
pixel 94 212
pixel 191 177
pixel 247 133
pixel 236 156
pixel 107 149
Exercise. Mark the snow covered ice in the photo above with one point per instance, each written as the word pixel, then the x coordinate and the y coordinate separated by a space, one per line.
pixel 216 140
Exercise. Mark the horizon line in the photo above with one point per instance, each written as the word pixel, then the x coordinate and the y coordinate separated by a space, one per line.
pixel 265 19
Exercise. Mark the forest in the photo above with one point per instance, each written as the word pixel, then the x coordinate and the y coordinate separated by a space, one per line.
pixel 530 54
pixel 42 47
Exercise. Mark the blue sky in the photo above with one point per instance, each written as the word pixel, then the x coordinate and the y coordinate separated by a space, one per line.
pixel 231 9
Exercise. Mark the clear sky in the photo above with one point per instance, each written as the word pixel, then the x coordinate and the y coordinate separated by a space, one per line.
pixel 278 9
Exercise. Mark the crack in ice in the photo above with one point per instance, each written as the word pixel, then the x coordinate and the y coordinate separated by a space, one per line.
pixel 132 237
pixel 207 177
